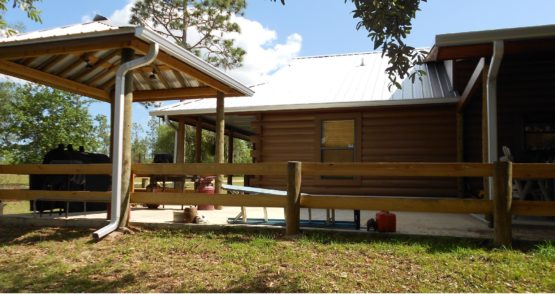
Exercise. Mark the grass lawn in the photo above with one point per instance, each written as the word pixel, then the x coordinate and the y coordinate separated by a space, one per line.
pixel 16 207
pixel 14 180
pixel 65 260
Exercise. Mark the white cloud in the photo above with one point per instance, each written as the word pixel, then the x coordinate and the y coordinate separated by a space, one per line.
pixel 118 17
pixel 122 16
pixel 86 18
pixel 264 54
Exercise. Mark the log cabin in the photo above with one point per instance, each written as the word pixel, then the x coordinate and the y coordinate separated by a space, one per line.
pixel 481 91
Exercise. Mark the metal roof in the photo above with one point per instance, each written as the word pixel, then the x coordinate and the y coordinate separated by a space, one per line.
pixel 347 80
pixel 93 68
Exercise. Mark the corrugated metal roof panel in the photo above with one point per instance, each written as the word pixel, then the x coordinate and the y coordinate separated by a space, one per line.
pixel 77 68
pixel 331 81
pixel 75 29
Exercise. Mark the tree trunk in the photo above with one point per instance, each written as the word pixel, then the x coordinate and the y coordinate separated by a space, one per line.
pixel 185 18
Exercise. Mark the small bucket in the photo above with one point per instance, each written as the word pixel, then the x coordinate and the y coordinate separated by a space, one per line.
pixel 178 216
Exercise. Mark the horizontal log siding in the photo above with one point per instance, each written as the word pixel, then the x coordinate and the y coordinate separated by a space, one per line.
pixel 415 134
pixel 388 134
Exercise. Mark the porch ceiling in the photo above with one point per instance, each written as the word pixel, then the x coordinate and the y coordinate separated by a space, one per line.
pixel 84 58
pixel 238 124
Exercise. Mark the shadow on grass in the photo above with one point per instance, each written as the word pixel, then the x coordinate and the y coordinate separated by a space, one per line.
pixel 263 282
pixel 53 278
pixel 31 235
pixel 432 244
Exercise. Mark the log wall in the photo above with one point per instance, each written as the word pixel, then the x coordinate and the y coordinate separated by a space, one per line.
pixel 424 133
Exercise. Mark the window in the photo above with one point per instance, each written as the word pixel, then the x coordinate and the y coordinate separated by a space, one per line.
pixel 338 141
pixel 539 133
pixel 540 136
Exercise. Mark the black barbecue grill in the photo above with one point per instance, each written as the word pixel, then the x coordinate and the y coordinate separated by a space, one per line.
pixel 61 155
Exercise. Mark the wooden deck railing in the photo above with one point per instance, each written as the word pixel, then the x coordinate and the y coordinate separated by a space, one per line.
pixel 502 207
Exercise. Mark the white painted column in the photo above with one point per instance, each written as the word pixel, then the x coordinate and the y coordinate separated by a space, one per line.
pixel 491 88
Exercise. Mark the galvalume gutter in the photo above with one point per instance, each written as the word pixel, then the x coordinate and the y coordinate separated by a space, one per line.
pixel 117 160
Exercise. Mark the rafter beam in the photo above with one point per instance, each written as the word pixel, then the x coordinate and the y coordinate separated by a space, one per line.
pixel 472 84
pixel 174 94
pixel 40 77
pixel 146 78
pixel 102 74
pixel 52 63
pixel 100 62
pixel 161 77
pixel 180 78
pixel 74 64
pixel 66 47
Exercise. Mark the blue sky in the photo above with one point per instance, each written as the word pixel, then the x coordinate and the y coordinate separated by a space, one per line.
pixel 314 27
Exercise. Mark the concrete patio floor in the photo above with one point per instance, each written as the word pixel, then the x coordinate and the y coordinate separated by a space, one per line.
pixel 408 223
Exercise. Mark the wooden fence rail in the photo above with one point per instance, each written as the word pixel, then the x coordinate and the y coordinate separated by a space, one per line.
pixel 215 199
pixel 414 204
pixel 502 206
pixel 57 169
pixel 390 169
pixel 210 169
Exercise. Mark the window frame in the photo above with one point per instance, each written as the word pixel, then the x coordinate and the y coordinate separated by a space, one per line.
pixel 357 118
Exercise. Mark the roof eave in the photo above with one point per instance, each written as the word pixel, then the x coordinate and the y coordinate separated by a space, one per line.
pixel 481 37
pixel 312 106
pixel 106 33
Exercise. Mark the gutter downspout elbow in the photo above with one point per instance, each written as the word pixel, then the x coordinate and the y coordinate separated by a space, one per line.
pixel 117 160
pixel 491 90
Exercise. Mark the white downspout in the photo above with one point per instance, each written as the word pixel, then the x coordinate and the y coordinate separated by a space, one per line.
pixel 118 138
pixel 491 105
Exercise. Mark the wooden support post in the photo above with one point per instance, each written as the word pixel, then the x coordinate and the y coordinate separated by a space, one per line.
pixel 180 152
pixel 220 140
pixel 460 150
pixel 293 209
pixel 126 184
pixel 230 156
pixel 198 141
pixel 503 176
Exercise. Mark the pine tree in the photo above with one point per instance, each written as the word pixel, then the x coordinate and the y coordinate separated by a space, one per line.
pixel 196 25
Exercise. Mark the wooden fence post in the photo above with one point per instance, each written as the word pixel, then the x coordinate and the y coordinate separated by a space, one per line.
pixel 293 209
pixel 503 176
pixel 2 208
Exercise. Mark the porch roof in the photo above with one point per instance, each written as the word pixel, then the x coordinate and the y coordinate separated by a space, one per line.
pixel 533 39
pixel 84 58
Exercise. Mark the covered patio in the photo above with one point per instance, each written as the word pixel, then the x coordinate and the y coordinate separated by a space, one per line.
pixel 118 65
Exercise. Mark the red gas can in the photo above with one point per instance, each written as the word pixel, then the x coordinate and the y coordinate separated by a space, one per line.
pixel 205 186
pixel 386 221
